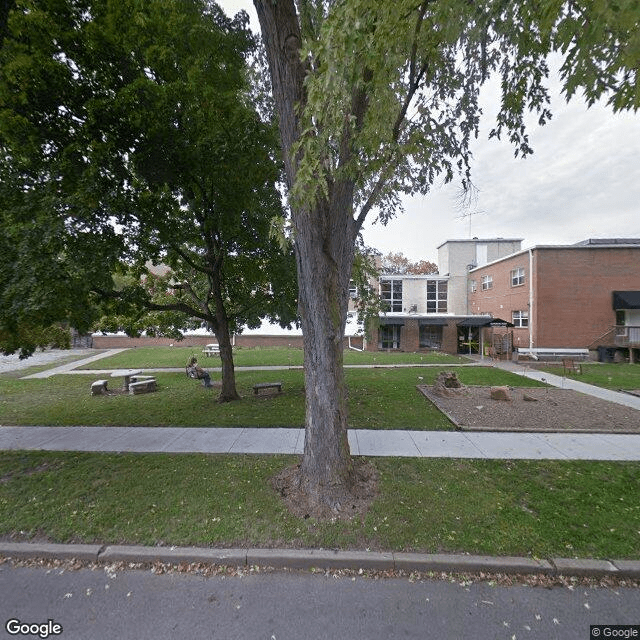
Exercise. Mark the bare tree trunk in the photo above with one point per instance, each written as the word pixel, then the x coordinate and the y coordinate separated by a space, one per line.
pixel 324 246
pixel 324 262
pixel 228 391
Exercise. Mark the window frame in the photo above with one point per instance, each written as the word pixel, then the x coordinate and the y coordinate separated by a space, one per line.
pixel 430 336
pixel 520 319
pixel 517 277
pixel 389 336
pixel 487 282
pixel 395 303
pixel 439 301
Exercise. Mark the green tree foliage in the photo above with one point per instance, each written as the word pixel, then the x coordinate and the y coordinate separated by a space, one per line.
pixel 400 81
pixel 129 135
pixel 376 99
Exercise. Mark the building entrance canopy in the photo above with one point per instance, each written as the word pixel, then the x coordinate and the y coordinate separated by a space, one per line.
pixel 626 300
pixel 484 321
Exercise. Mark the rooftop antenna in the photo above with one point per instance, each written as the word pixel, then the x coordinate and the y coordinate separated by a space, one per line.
pixel 466 201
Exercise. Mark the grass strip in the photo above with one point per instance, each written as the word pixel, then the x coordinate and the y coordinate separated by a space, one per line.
pixel 166 357
pixel 378 399
pixel 609 376
pixel 524 508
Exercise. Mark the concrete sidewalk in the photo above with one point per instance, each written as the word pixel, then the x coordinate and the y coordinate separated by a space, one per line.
pixel 363 442
pixel 569 383
pixel 70 367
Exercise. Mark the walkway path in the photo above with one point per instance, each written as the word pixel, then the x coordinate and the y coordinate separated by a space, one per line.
pixel 363 442
pixel 420 444
pixel 569 383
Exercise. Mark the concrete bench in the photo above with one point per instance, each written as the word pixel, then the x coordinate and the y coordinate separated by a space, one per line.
pixel 143 386
pixel 99 388
pixel 262 386
pixel 141 378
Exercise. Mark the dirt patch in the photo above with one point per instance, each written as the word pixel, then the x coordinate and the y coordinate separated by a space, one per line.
pixel 543 410
pixel 25 473
pixel 351 504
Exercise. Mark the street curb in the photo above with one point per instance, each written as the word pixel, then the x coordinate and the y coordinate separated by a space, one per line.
pixel 471 564
pixel 172 555
pixel 325 559
pixel 25 550
pixel 320 559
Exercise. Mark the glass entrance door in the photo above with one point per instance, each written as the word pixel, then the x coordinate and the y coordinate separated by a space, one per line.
pixel 389 336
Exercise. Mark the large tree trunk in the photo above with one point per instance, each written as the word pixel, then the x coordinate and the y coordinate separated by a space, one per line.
pixel 324 245
pixel 324 250
pixel 228 391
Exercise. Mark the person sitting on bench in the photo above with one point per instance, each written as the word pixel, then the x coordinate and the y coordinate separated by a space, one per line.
pixel 196 372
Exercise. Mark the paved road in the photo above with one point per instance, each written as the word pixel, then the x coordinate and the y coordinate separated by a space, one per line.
pixel 138 604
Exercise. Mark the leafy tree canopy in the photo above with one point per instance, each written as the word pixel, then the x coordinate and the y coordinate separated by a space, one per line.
pixel 391 91
pixel 128 134
pixel 398 263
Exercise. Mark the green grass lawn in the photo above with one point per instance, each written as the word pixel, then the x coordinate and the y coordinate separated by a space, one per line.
pixel 378 399
pixel 609 376
pixel 536 508
pixel 167 357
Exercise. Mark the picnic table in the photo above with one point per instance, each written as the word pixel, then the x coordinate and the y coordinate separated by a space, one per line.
pixel 211 350
pixel 126 374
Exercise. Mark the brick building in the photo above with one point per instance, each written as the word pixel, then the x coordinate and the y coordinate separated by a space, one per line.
pixel 425 312
pixel 581 296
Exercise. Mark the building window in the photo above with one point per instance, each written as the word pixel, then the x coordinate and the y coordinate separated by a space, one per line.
pixel 517 276
pixel 391 294
pixel 487 282
pixel 520 318
pixel 431 336
pixel 437 296
pixel 389 336
pixel 353 290
pixel 473 286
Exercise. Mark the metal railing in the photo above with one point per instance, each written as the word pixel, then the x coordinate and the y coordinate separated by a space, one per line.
pixel 627 336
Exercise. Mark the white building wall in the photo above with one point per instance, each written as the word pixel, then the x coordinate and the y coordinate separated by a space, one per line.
pixel 455 258
pixel 414 293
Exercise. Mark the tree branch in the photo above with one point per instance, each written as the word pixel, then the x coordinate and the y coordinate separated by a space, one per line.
pixel 416 75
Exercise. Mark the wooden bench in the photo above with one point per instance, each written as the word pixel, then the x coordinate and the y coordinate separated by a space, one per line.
pixel 99 388
pixel 267 385
pixel 571 366
pixel 142 386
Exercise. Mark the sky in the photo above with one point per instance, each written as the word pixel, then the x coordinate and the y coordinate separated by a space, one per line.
pixel 582 181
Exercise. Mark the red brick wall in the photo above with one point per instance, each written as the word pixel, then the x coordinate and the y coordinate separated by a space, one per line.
pixel 247 341
pixel 410 336
pixel 572 293
pixel 503 299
